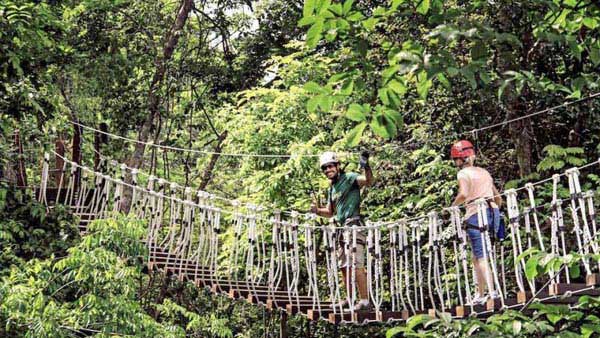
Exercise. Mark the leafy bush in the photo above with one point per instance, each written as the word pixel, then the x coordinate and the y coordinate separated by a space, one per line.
pixel 28 230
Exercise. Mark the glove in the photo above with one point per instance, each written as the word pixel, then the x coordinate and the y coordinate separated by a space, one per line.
pixel 364 160
pixel 314 206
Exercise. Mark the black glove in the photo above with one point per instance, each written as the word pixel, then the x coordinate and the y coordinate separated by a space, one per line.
pixel 364 160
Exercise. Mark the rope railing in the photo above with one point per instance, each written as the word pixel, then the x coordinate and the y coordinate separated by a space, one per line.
pixel 451 137
pixel 413 266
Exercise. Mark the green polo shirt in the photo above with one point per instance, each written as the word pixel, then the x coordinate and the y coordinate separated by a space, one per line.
pixel 345 197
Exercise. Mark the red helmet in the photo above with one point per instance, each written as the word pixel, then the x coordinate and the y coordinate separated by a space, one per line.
pixel 462 149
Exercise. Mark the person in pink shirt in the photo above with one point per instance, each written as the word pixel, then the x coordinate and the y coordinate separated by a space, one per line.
pixel 475 183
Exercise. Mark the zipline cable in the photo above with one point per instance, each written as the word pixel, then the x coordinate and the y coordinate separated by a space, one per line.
pixel 208 152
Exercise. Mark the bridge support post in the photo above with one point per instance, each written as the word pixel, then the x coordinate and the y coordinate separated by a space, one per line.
pixel 591 279
pixel 521 297
pixel 283 324
pixel 460 311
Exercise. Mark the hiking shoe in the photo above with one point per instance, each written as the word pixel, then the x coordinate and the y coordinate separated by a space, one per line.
pixel 343 304
pixel 478 300
pixel 363 305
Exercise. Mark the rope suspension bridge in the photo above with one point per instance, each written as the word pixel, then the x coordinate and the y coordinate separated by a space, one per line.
pixel 288 261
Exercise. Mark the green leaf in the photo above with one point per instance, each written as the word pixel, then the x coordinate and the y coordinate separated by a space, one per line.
pixel 574 150
pixel 561 19
pixel 478 50
pixel 595 55
pixel 378 127
pixel 347 87
pixel 575 47
pixel 590 22
pixel 394 115
pixel 398 87
pixel 354 135
pixel 531 267
pixel 314 34
pixel 312 104
pixel 485 77
pixel 325 102
pixel 391 333
pixel 347 7
pixel 336 9
pixel 309 8
pixel 390 126
pixel 370 23
pixel 423 85
pixel 414 321
pixel 423 6
pixel 382 93
pixel 323 6
pixel 313 87
pixel 468 74
pixel 553 317
pixel 444 81
pixel 338 77
pixel 575 271
pixel 396 4
pixel 452 71
pixel 307 20
pixel 355 16
pixel 355 113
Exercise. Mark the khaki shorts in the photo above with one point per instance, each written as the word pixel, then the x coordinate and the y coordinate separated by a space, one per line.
pixel 361 240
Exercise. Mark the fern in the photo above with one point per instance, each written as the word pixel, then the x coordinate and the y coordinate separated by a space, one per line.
pixel 554 150
pixel 558 157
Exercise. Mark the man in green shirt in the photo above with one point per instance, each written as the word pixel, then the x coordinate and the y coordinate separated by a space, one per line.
pixel 343 203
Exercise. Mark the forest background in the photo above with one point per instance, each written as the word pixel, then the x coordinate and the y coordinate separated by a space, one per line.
pixel 403 79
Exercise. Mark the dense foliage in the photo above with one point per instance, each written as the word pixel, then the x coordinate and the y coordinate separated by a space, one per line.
pixel 402 78
pixel 28 230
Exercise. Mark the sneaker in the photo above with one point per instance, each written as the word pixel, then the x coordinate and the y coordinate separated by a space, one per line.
pixel 363 305
pixel 343 304
pixel 494 295
pixel 478 300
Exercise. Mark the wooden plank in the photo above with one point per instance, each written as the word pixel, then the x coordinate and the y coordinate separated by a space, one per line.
pixel 394 315
pixel 362 316
pixel 314 314
pixel 337 318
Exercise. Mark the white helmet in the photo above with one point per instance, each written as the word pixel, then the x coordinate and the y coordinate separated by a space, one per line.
pixel 328 157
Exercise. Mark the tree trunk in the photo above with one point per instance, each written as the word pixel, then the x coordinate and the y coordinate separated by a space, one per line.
pixel 207 174
pixel 148 127
pixel 575 133
pixel 172 37
pixel 521 132
pixel 19 165
pixel 59 163
pixel 521 135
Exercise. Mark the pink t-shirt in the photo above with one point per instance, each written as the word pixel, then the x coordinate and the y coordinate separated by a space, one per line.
pixel 479 185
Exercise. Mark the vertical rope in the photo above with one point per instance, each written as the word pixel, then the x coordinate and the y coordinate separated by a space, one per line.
pixel 333 270
pixel 580 232
pixel 44 179
pixel 378 296
pixel 274 261
pixel 558 225
pixel 404 242
pixel 512 208
pixel 487 250
pixel 419 270
pixel 296 256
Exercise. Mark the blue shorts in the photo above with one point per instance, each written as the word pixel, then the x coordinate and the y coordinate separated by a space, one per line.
pixel 475 235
